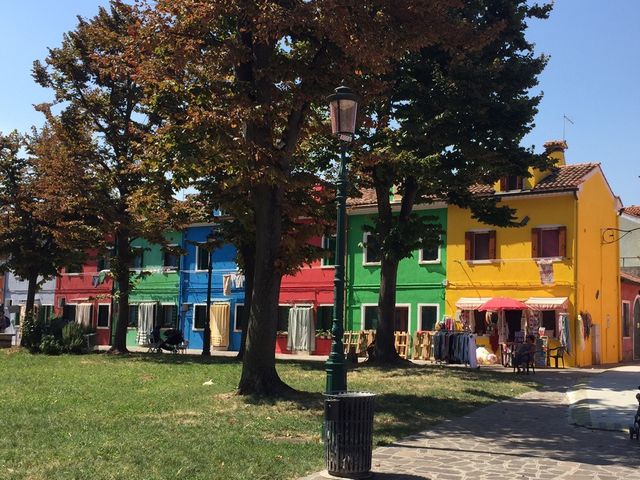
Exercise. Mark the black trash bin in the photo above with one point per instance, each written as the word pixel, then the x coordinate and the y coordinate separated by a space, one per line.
pixel 348 433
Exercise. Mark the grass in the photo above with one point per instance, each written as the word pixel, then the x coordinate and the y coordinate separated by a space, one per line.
pixel 150 416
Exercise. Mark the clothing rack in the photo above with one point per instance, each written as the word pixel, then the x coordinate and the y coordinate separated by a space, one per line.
pixel 455 347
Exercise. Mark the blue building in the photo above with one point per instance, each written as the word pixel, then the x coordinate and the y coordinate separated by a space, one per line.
pixel 227 291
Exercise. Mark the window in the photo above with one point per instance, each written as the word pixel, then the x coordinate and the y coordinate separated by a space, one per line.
pixel 549 322
pixel 14 314
pixel 199 317
pixel 372 254
pixel 45 312
pixel 239 317
pixel 103 316
pixel 168 316
pixel 77 268
pixel 324 317
pixel 371 318
pixel 428 317
pixel 69 312
pixel 480 245
pixel 138 257
pixel 430 255
pixel 283 318
pixel 329 244
pixel 171 259
pixel 511 182
pixel 104 261
pixel 133 316
pixel 626 319
pixel 549 242
pixel 203 257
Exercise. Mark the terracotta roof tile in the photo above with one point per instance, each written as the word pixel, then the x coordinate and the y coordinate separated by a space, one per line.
pixel 562 178
pixel 632 210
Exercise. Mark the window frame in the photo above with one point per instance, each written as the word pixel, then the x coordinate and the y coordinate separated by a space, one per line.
pixel 470 249
pixel 137 309
pixel 235 317
pixel 420 306
pixel 164 258
pixel 193 322
pixel 324 241
pixel 363 307
pixel 75 311
pixel 330 319
pixel 365 250
pixel 536 242
pixel 437 260
pixel 210 259
pixel 160 313
pixel 108 305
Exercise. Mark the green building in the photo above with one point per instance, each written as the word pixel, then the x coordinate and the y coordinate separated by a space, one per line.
pixel 421 279
pixel 154 297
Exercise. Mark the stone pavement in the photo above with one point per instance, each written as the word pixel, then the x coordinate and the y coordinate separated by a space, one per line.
pixel 529 437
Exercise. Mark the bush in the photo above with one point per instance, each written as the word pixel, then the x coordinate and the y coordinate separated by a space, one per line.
pixel 73 338
pixel 50 345
pixel 32 329
pixel 53 326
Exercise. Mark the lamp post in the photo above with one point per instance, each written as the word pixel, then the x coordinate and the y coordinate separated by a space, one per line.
pixel 343 109
pixel 206 341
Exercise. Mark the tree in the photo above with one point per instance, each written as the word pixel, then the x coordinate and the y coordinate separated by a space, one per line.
pixel 448 118
pixel 28 243
pixel 104 127
pixel 246 77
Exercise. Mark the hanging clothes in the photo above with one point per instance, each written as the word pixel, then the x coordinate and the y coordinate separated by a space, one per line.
pixel 565 336
pixel 238 280
pixel 145 322
pixel 471 348
pixel 220 314
pixel 301 330
pixel 503 328
pixel 226 285
pixel 580 343
pixel 83 315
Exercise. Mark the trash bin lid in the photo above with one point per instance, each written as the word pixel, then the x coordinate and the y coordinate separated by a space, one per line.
pixel 349 395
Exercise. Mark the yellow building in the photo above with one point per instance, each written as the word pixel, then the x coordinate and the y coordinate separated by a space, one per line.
pixel 554 262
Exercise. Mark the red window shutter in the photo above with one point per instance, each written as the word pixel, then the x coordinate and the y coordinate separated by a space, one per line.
pixel 468 249
pixel 503 184
pixel 535 242
pixel 492 244
pixel 562 241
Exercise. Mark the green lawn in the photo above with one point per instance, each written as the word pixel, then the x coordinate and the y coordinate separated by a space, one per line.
pixel 150 417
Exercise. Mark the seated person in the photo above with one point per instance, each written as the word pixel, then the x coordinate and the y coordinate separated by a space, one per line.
pixel 525 352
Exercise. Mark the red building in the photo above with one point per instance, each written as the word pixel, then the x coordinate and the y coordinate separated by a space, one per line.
pixel 311 287
pixel 83 294
pixel 630 293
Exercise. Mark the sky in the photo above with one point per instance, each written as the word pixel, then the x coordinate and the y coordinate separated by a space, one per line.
pixel 592 77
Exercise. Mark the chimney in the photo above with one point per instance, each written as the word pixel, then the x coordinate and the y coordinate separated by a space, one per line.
pixel 555 151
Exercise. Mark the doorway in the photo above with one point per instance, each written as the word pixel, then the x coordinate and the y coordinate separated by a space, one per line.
pixel 514 322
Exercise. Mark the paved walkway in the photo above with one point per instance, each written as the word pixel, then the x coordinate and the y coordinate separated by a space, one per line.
pixel 529 437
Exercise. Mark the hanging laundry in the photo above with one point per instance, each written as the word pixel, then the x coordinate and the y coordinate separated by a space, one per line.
pixel 580 343
pixel 546 271
pixel 238 280
pixel 565 337
pixel 226 285
pixel 145 322
pixel 83 315
pixel 301 335
pixel 220 324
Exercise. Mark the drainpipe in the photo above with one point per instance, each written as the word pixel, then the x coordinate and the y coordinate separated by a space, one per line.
pixel 576 234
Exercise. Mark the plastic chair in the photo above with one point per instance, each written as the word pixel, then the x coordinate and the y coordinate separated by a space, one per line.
pixel 556 353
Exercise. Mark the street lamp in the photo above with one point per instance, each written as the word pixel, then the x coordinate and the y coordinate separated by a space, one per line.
pixel 206 341
pixel 343 107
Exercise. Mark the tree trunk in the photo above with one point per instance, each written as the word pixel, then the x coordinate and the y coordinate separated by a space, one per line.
pixel 248 255
pixel 32 287
pixel 123 263
pixel 385 351
pixel 259 376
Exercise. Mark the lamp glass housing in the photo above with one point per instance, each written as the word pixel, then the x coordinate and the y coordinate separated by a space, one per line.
pixel 343 106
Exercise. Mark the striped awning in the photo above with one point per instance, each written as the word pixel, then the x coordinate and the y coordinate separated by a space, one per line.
pixel 551 303
pixel 471 303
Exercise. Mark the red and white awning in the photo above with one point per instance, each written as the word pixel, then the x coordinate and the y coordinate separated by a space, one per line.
pixel 471 303
pixel 551 303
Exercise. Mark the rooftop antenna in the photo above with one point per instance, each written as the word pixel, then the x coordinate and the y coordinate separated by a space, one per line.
pixel 565 119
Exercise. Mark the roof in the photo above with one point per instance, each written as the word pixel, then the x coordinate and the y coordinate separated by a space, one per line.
pixel 633 210
pixel 562 178
pixel 630 278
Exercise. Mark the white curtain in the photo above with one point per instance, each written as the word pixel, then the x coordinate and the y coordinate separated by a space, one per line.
pixel 302 332
pixel 83 314
pixel 145 322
